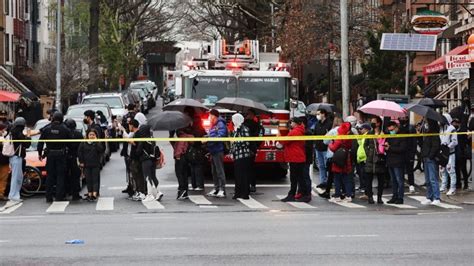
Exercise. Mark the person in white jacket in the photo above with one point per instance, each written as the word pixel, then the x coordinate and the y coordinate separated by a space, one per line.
pixel 450 170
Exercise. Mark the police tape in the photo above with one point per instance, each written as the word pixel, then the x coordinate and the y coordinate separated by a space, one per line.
pixel 260 139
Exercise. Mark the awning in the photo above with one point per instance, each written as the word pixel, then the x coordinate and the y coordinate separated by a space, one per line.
pixel 439 65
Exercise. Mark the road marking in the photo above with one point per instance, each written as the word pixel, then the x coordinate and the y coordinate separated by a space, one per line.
pixel 19 220
pixel 433 213
pixel 208 206
pixel 20 217
pixel 4 241
pixel 252 203
pixel 400 206
pixel 299 205
pixel 58 206
pixel 159 238
pixel 349 205
pixel 199 200
pixel 105 204
pixel 153 205
pixel 11 209
pixel 349 236
pixel 441 205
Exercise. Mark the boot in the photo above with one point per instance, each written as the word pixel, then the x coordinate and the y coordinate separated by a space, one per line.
pixel 371 200
pixel 288 198
pixel 379 200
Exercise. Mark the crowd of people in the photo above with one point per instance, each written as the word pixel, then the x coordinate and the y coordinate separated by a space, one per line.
pixel 350 165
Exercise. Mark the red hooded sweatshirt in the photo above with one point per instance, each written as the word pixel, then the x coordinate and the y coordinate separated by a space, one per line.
pixel 343 129
pixel 294 151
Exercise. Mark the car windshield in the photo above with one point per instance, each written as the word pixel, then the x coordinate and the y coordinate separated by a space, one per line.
pixel 79 111
pixel 209 90
pixel 146 86
pixel 271 91
pixel 141 93
pixel 112 102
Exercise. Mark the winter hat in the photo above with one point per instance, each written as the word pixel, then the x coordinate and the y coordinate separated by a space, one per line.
pixel 19 122
pixel 238 120
pixel 351 119
pixel 140 117
pixel 344 128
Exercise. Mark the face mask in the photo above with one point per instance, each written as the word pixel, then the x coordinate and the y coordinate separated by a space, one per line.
pixel 318 117
pixel 393 132
pixel 427 127
pixel 373 125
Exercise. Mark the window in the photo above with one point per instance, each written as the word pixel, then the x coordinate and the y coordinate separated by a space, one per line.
pixel 26 6
pixel 7 47
pixel 7 7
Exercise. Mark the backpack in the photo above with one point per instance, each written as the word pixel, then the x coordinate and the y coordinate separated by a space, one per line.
pixel 442 158
pixel 157 155
pixel 340 157
pixel 8 149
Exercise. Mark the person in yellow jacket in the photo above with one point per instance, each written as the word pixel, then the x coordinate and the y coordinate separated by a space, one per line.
pixel 361 158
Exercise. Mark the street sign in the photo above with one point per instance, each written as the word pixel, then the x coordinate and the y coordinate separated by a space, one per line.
pixel 458 73
pixel 458 61
pixel 402 100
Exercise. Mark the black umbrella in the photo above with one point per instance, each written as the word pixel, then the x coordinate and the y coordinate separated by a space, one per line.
pixel 169 120
pixel 330 108
pixel 181 104
pixel 426 112
pixel 430 102
pixel 242 105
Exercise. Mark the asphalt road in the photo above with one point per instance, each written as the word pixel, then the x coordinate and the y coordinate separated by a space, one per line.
pixel 208 231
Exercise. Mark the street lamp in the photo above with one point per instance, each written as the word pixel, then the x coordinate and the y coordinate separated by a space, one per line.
pixel 58 57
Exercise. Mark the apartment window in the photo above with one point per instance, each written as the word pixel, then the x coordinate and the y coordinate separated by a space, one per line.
pixel 7 7
pixel 7 47
pixel 26 6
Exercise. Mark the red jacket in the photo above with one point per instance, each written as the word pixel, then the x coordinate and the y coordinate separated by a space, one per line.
pixel 294 151
pixel 344 129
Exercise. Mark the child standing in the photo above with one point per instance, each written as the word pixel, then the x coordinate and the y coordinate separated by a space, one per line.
pixel 89 155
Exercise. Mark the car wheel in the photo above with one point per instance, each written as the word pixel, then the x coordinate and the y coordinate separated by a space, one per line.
pixel 32 182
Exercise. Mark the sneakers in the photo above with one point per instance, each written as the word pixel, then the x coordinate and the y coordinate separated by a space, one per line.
pixel 436 202
pixel 371 200
pixel 182 195
pixel 392 201
pixel 347 199
pixel 220 194
pixel 442 189
pixel 399 201
pixel 335 199
pixel 412 189
pixel 426 202
pixel 451 192
pixel 199 189
pixel 159 196
pixel 149 198
pixel 324 195
pixel 138 196
pixel 12 203
pixel 213 193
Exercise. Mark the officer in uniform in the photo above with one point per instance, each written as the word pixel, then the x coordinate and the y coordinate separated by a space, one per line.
pixel 56 154
pixel 73 173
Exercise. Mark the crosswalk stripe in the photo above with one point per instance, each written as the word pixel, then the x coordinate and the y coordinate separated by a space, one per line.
pixel 299 205
pixel 252 203
pixel 105 204
pixel 200 200
pixel 153 205
pixel 349 205
pixel 400 206
pixel 441 205
pixel 11 209
pixel 58 206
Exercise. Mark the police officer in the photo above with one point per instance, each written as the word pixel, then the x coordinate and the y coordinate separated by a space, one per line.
pixel 73 173
pixel 56 154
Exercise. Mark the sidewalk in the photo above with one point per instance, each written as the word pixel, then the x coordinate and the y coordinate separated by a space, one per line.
pixel 461 196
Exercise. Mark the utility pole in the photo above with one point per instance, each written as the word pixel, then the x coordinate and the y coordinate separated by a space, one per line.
pixel 345 59
pixel 407 73
pixel 58 57
pixel 273 26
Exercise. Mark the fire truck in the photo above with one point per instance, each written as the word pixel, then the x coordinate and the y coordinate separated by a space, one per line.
pixel 237 71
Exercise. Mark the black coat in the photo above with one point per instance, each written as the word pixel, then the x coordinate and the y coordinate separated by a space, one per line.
pixel 431 147
pixel 397 152
pixel 136 153
pixel 375 163
pixel 411 143
pixel 55 131
pixel 321 129
pixel 74 146
pixel 90 154
pixel 20 147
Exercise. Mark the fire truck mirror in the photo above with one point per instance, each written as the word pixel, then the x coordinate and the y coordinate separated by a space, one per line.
pixel 294 89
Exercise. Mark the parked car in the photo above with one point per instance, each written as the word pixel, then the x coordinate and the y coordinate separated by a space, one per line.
pixel 148 84
pixel 116 101
pixel 77 110
pixel 145 107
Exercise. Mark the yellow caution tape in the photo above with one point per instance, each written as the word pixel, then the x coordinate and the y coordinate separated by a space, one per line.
pixel 273 138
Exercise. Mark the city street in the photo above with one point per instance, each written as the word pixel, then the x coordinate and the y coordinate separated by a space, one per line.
pixel 204 230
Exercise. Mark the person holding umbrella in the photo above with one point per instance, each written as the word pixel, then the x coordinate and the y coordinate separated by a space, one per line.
pixel 396 149
pixel 429 150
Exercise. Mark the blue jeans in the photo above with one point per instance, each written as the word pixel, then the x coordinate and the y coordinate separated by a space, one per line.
pixel 342 179
pixel 16 163
pixel 322 160
pixel 431 178
pixel 397 175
